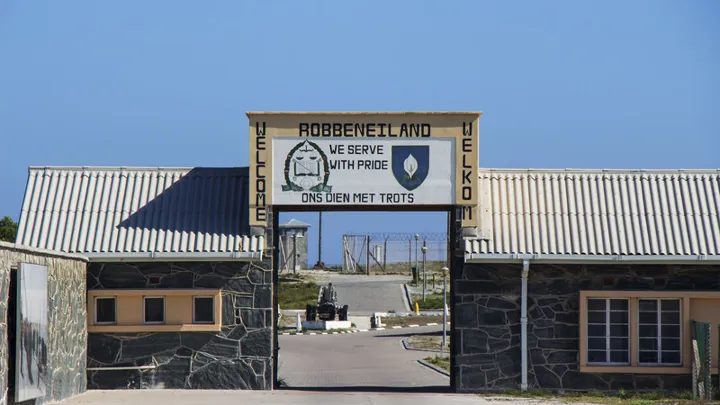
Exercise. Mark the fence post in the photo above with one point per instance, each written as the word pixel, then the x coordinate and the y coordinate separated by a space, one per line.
pixel 367 255
pixel 385 254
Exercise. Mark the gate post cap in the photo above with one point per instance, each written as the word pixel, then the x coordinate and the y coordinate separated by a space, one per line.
pixel 469 232
pixel 257 231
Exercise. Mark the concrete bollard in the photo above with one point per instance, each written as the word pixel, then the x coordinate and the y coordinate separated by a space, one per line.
pixel 298 323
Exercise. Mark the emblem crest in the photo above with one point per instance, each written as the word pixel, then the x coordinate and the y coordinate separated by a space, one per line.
pixel 410 165
pixel 306 169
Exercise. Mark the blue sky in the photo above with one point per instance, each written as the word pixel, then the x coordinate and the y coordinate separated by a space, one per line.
pixel 615 84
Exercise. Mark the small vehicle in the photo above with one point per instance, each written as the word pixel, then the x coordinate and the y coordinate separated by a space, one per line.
pixel 327 308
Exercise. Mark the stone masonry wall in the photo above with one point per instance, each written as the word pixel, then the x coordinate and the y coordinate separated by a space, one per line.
pixel 67 328
pixel 487 323
pixel 237 357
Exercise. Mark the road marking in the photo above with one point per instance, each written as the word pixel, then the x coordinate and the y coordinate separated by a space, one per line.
pixel 397 327
pixel 379 328
pixel 324 333
pixel 363 330
pixel 413 326
pixel 431 324
pixel 311 333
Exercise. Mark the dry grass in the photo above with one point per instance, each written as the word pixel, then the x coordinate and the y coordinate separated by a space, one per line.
pixel 441 362
pixel 432 301
pixel 411 320
pixel 620 398
pixel 289 321
pixel 428 342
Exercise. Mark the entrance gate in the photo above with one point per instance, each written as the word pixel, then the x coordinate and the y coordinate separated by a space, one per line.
pixel 365 162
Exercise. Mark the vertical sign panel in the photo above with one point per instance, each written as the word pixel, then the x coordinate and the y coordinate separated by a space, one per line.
pixel 31 347
pixel 467 174
pixel 260 176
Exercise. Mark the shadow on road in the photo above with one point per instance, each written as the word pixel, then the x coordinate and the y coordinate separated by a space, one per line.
pixel 433 389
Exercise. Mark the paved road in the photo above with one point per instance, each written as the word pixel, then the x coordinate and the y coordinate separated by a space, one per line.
pixel 368 294
pixel 355 370
pixel 221 397
pixel 365 359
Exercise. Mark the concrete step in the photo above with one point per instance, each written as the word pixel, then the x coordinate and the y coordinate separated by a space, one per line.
pixel 361 322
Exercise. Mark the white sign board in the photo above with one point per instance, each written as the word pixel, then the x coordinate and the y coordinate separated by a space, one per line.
pixel 369 160
pixel 363 171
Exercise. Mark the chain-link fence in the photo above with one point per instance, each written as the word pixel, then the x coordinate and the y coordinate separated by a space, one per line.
pixel 393 253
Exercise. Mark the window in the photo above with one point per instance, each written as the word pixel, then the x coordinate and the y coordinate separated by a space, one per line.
pixel 153 309
pixel 105 310
pixel 659 332
pixel 639 331
pixel 203 310
pixel 608 331
pixel 157 310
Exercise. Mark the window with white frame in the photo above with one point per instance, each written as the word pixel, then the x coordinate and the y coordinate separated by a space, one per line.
pixel 153 309
pixel 659 336
pixel 608 331
pixel 105 310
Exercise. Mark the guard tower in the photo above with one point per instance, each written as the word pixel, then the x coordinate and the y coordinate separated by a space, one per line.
pixel 293 242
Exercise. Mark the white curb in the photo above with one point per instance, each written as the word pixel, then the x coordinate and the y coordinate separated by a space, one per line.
pixel 357 330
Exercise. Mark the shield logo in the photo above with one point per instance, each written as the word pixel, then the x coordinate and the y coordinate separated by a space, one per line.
pixel 410 165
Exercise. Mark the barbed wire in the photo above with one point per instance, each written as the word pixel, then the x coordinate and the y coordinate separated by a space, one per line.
pixel 402 236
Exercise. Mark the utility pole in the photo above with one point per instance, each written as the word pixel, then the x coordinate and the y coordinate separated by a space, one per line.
pixel 320 237
pixel 410 257
pixel 417 267
pixel 319 264
pixel 424 252
pixel 444 274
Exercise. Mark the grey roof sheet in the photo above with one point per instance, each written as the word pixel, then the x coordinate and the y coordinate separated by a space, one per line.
pixel 137 210
pixel 599 212
pixel 294 223
pixel 523 211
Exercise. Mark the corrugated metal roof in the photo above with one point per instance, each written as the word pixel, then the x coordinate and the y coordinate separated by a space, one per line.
pixel 294 223
pixel 136 210
pixel 523 211
pixel 598 212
